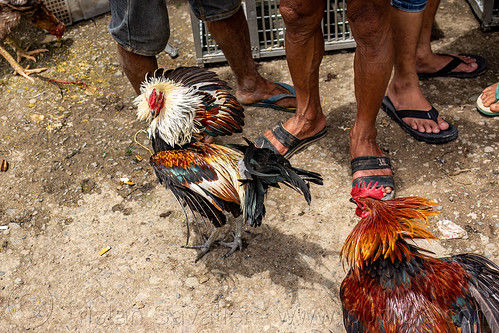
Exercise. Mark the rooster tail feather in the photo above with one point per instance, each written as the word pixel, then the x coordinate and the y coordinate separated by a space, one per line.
pixel 484 285
pixel 266 168
pixel 254 207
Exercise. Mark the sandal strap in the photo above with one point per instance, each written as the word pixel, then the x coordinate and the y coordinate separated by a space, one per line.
pixel 287 139
pixel 431 114
pixel 456 61
pixel 370 163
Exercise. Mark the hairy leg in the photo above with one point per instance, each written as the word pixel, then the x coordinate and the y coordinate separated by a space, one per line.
pixel 232 35
pixel 304 50
pixel 404 90
pixel 370 22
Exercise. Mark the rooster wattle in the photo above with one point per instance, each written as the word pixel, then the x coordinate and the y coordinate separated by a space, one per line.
pixel 394 286
pixel 183 104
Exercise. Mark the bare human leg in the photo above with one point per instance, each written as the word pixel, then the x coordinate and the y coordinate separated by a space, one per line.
pixel 429 62
pixel 232 35
pixel 370 23
pixel 404 90
pixel 304 51
pixel 136 66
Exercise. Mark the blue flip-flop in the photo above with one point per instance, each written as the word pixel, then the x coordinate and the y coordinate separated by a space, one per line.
pixel 486 109
pixel 271 101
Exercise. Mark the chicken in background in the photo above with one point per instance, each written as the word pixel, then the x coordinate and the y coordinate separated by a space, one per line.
pixel 394 286
pixel 185 105
pixel 11 12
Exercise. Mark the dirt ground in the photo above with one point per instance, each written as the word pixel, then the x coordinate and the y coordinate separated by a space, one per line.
pixel 62 200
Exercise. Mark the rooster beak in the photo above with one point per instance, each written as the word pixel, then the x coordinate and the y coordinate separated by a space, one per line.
pixel 352 200
pixel 154 113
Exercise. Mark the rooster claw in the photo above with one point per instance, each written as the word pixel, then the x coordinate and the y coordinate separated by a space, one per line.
pixel 234 245
pixel 205 248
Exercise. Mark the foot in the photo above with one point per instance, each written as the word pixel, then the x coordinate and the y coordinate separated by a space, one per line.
pixel 363 143
pixel 25 72
pixel 237 243
pixel 434 62
pixel 28 54
pixel 254 92
pixel 300 127
pixel 489 98
pixel 410 97
pixel 206 247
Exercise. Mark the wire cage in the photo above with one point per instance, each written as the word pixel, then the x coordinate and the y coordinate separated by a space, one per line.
pixel 487 11
pixel 266 29
pixel 71 11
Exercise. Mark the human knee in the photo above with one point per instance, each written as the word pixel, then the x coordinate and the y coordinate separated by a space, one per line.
pixel 369 21
pixel 300 19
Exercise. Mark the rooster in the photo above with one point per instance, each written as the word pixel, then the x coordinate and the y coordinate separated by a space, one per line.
pixel 395 286
pixel 34 11
pixel 181 106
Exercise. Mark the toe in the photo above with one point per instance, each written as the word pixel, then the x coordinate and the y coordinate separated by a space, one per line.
pixel 442 124
pixel 494 107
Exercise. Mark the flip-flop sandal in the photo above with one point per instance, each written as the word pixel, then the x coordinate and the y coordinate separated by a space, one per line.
pixel 271 101
pixel 372 163
pixel 397 115
pixel 486 109
pixel 288 140
pixel 446 71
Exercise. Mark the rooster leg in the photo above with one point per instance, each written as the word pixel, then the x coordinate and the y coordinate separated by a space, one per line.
pixel 23 53
pixel 205 248
pixel 18 69
pixel 237 242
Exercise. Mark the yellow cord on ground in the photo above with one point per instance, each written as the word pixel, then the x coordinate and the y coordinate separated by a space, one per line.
pixel 135 139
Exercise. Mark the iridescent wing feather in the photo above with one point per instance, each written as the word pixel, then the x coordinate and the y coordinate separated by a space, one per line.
pixel 196 180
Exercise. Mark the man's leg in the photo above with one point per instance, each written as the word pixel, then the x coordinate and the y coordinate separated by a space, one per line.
pixel 404 90
pixel 370 23
pixel 304 50
pixel 429 62
pixel 132 30
pixel 232 36
pixel 136 66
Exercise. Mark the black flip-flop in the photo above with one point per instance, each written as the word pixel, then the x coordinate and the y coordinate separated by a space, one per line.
pixel 288 140
pixel 372 163
pixel 397 115
pixel 446 71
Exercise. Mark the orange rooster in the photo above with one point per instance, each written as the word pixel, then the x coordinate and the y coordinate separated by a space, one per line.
pixel 34 11
pixel 394 286
pixel 182 106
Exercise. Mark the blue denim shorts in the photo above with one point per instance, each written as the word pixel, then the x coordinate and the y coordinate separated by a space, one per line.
pixel 145 29
pixel 412 6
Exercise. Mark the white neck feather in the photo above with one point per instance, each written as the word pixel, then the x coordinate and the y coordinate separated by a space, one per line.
pixel 175 123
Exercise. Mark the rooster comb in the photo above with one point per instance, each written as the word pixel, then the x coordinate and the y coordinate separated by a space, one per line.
pixel 363 191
